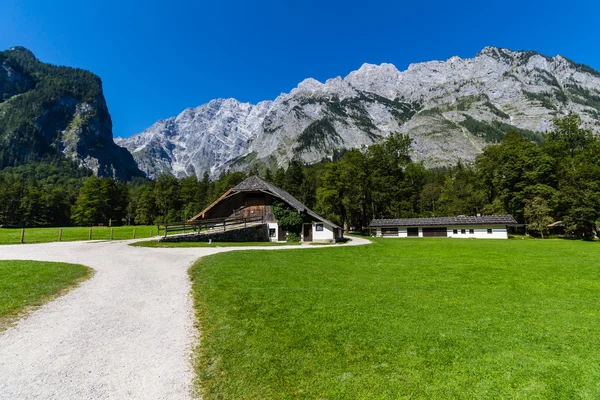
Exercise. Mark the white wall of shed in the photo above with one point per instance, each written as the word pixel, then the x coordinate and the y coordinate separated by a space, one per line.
pixel 480 232
pixel 325 235
pixel 274 225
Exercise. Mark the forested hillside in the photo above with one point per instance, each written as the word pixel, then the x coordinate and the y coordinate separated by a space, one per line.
pixel 56 113
pixel 558 179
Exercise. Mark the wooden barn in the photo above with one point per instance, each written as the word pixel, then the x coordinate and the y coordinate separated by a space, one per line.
pixel 253 199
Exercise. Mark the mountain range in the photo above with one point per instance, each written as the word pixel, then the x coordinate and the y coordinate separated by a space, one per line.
pixel 451 109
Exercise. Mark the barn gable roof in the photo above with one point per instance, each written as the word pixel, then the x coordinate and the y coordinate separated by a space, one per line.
pixel 443 221
pixel 256 184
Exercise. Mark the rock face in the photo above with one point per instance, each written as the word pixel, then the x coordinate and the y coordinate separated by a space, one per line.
pixel 451 109
pixel 200 139
pixel 49 112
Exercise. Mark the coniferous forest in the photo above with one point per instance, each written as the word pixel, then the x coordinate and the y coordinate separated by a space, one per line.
pixel 538 183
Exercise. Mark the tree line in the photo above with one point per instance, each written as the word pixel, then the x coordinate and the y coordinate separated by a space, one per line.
pixel 538 183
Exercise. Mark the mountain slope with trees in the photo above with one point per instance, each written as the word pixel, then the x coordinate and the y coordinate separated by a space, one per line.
pixel 56 113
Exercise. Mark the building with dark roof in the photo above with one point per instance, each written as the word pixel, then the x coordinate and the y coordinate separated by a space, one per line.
pixel 480 227
pixel 255 197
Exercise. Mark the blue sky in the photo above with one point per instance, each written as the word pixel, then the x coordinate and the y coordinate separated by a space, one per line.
pixel 157 58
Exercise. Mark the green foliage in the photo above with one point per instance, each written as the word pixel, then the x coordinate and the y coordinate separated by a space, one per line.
pixel 287 217
pixel 100 201
pixel 40 105
pixel 537 214
pixel 583 96
pixel 40 194
pixel 317 135
pixel 545 99
pixel 494 131
pixel 292 237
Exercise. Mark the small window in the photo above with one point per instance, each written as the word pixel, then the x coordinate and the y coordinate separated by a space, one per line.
pixel 489 231
pixel 271 232
pixel 455 231
pixel 319 227
pixel 471 231
pixel 462 231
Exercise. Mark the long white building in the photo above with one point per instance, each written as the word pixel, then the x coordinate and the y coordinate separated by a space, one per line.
pixel 479 227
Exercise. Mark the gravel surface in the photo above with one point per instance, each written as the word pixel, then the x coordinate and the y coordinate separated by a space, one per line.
pixel 126 333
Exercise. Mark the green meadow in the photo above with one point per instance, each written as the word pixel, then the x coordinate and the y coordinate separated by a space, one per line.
pixel 401 318
pixel 43 235
pixel 26 284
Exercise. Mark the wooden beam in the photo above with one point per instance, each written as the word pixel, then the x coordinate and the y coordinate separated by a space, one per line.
pixel 201 214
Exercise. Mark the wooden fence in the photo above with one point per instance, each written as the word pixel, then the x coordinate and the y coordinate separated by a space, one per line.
pixel 209 225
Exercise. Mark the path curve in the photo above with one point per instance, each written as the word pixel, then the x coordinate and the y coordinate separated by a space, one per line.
pixel 126 333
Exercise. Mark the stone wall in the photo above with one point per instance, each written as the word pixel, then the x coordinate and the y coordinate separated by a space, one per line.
pixel 258 233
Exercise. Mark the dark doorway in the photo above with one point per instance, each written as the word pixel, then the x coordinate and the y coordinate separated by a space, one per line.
pixel 412 232
pixel 281 234
pixel 435 232
pixel 389 231
pixel 307 232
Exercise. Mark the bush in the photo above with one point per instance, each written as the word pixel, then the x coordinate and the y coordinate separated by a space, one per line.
pixel 292 237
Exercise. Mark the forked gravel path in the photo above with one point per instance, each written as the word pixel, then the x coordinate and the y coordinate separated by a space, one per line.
pixel 126 333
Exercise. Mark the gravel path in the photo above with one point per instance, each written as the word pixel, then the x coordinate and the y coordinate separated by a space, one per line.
pixel 126 333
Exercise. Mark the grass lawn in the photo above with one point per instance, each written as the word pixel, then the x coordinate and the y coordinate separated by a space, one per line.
pixel 43 235
pixel 25 284
pixel 154 243
pixel 401 318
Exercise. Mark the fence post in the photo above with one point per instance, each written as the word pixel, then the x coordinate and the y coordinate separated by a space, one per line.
pixel 111 233
pixel 60 235
pixel 150 232
pixel 224 226
pixel 22 235
pixel 166 231
pixel 90 234
pixel 134 233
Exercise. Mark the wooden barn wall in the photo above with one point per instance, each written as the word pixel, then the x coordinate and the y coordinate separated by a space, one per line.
pixel 244 205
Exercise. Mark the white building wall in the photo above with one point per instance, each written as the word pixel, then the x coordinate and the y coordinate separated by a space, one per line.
pixel 326 235
pixel 479 232
pixel 273 225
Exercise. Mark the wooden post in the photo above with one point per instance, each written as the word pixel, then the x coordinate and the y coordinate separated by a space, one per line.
pixel 224 227
pixel 134 233
pixel 110 222
pixel 60 235
pixel 111 233
pixel 183 228
pixel 166 226
pixel 22 235
pixel 90 234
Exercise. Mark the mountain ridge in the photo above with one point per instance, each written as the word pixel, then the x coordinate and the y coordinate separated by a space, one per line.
pixel 451 109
